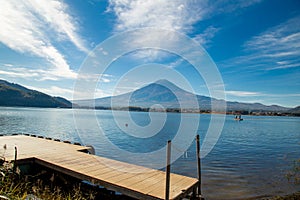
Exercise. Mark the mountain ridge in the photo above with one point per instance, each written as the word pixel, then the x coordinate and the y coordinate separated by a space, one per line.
pixel 12 94
pixel 164 93
pixel 161 92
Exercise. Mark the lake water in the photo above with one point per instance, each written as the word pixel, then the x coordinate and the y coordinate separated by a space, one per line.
pixel 250 159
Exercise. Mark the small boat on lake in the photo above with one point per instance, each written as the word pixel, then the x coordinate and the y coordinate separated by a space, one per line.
pixel 238 118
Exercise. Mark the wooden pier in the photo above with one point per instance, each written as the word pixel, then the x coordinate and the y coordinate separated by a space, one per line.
pixel 128 179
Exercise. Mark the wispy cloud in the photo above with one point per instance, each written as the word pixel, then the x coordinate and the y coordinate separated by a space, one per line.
pixel 68 92
pixel 276 48
pixel 176 15
pixel 54 91
pixel 13 71
pixel 55 13
pixel 18 73
pixel 221 6
pixel 173 15
pixel 36 74
pixel 242 93
pixel 176 63
pixel 263 97
pixel 33 27
pixel 207 35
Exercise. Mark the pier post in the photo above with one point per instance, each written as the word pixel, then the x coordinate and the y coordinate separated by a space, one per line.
pixel 15 160
pixel 199 164
pixel 168 171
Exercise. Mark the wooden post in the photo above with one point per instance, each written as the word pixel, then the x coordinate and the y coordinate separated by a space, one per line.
pixel 168 171
pixel 15 161
pixel 199 164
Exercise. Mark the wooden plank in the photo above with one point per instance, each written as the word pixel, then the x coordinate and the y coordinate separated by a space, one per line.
pixel 143 181
pixel 148 184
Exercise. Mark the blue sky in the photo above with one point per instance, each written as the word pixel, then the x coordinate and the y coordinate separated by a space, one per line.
pixel 255 44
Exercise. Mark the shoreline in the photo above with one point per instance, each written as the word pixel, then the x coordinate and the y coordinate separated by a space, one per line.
pixel 172 110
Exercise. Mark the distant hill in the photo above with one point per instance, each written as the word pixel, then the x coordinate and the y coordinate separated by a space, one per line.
pixel 16 95
pixel 164 93
pixel 295 110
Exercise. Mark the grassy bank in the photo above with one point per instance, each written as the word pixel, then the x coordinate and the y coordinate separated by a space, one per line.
pixel 295 196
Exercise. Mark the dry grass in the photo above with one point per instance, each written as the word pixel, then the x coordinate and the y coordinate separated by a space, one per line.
pixel 46 184
pixel 15 186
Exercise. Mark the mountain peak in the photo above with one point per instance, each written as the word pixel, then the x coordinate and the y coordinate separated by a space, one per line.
pixel 165 82
pixel 168 84
pixel 162 81
pixel 167 94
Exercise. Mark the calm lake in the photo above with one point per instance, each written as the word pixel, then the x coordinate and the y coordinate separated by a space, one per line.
pixel 250 159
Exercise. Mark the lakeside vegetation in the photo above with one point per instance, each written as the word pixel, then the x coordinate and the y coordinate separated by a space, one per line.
pixel 45 184
pixel 179 110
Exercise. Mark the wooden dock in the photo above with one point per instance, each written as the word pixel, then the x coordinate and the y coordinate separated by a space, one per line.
pixel 128 179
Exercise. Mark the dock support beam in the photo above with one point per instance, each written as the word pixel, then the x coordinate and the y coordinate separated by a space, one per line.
pixel 199 164
pixel 168 171
pixel 15 160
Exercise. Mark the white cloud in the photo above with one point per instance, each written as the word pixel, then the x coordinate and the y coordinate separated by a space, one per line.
pixel 207 35
pixel 13 73
pixel 84 94
pixel 42 75
pixel 53 91
pixel 221 6
pixel 176 63
pixel 66 92
pixel 276 48
pixel 279 45
pixel 173 15
pixel 31 26
pixel 176 15
pixel 7 65
pixel 35 74
pixel 54 12
pixel 105 80
pixel 242 93
pixel 169 14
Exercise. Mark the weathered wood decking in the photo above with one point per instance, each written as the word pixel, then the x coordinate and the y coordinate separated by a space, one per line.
pixel 131 180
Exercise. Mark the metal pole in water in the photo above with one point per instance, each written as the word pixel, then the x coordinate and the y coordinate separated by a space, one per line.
pixel 199 164
pixel 168 170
